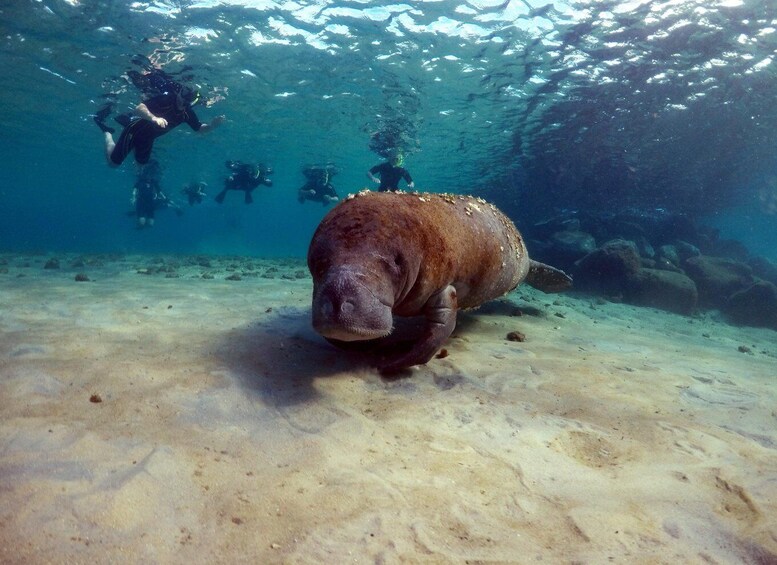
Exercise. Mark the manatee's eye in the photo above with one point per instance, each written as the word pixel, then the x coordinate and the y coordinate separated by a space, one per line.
pixel 399 260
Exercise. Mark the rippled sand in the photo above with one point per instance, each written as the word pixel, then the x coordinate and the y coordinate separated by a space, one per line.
pixel 152 415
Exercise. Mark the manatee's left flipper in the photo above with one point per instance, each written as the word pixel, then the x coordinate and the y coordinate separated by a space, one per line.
pixel 546 278
pixel 440 312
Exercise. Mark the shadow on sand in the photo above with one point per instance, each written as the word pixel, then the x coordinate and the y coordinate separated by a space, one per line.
pixel 279 357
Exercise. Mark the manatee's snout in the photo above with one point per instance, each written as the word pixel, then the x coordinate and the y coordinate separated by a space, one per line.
pixel 346 308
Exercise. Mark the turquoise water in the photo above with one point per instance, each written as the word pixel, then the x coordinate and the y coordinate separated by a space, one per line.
pixel 179 408
pixel 537 106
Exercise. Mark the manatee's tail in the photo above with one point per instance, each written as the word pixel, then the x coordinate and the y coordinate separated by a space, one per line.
pixel 546 278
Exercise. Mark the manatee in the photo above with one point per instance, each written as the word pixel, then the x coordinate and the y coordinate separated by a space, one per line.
pixel 377 255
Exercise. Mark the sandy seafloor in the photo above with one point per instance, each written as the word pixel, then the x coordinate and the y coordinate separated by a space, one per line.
pixel 229 432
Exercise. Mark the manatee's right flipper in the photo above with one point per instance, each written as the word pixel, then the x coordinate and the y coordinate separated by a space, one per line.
pixel 546 278
pixel 440 312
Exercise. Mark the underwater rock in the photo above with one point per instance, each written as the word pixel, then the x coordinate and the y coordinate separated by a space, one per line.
pixel 649 263
pixel 686 250
pixel 644 247
pixel 764 269
pixel 667 254
pixel 81 277
pixel 563 248
pixel 607 267
pixel 665 290
pixel 754 306
pixel 728 248
pixel 516 336
pixel 717 278
pixel 546 228
pixel 52 264
pixel 574 244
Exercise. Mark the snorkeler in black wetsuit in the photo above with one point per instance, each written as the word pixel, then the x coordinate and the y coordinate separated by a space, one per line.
pixel 195 192
pixel 318 188
pixel 155 117
pixel 244 177
pixel 147 195
pixel 146 188
pixel 390 172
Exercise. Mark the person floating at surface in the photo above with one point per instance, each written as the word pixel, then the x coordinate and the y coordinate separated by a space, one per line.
pixel 195 192
pixel 154 118
pixel 390 172
pixel 318 188
pixel 244 177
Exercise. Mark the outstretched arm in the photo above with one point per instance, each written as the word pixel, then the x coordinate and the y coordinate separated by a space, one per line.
pixel 409 180
pixel 143 111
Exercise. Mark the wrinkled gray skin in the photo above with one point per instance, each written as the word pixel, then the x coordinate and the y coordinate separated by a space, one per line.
pixel 381 255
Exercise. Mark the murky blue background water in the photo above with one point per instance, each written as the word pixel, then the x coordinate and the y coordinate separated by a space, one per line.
pixel 538 106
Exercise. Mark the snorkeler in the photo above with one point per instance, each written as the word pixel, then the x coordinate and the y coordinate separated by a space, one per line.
pixel 244 177
pixel 145 191
pixel 194 192
pixel 154 118
pixel 147 195
pixel 318 188
pixel 390 172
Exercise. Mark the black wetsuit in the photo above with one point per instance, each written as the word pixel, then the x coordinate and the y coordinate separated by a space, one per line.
pixel 390 175
pixel 321 192
pixel 194 193
pixel 145 198
pixel 245 177
pixel 140 133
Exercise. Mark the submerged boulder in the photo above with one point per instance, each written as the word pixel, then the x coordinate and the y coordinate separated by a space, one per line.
pixel 606 268
pixel 668 256
pixel 755 305
pixel 686 250
pixel 717 278
pixel 764 269
pixel 566 247
pixel 728 248
pixel 666 290
pixel 646 250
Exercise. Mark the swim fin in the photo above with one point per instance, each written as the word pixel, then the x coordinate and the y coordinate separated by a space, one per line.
pixel 99 118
